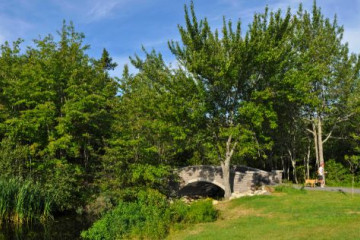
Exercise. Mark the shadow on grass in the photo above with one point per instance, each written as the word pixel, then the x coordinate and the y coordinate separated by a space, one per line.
pixel 290 189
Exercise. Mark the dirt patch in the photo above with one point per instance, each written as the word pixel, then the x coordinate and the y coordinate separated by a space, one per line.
pixel 269 189
pixel 353 212
pixel 229 212
pixel 239 212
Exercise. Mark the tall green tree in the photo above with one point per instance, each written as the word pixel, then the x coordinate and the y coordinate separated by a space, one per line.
pixel 236 94
pixel 56 110
pixel 157 116
pixel 324 73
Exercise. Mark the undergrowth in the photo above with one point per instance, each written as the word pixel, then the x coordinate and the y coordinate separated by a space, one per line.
pixel 151 216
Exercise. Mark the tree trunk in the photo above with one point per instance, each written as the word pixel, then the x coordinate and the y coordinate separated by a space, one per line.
pixel 293 164
pixel 225 166
pixel 352 185
pixel 288 171
pixel 320 144
pixel 308 162
pixel 316 146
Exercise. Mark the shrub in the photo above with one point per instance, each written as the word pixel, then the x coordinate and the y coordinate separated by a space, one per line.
pixel 337 174
pixel 147 217
pixel 178 211
pixel 150 216
pixel 201 211
pixel 100 205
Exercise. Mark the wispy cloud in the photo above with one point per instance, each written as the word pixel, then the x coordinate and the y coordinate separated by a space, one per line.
pixel 93 10
pixel 157 42
pixel 12 28
pixel 102 9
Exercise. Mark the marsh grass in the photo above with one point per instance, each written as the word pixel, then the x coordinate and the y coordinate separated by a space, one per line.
pixel 286 214
pixel 23 201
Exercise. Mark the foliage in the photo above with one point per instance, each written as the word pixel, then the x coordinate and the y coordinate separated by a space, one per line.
pixel 147 217
pixel 201 211
pixel 55 114
pixel 337 173
pixel 232 72
pixel 23 201
pixel 14 160
pixel 151 216
pixel 63 181
pixel 197 212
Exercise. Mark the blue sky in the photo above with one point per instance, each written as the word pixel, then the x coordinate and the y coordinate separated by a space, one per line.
pixel 123 26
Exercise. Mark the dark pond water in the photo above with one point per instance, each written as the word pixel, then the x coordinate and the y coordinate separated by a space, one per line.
pixel 64 227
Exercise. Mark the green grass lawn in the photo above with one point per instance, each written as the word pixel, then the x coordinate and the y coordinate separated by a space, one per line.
pixel 291 214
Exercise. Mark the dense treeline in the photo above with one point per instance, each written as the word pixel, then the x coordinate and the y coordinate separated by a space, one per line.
pixel 282 95
pixel 56 114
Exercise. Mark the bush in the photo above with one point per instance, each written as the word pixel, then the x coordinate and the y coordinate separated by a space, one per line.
pixel 150 216
pixel 201 211
pixel 337 174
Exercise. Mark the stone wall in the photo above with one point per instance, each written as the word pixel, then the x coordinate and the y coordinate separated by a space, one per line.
pixel 244 181
pixel 242 178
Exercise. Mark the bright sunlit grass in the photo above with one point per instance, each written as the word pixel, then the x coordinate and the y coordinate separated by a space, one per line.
pixel 290 214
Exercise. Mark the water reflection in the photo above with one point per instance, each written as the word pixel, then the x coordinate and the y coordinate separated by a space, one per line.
pixel 64 227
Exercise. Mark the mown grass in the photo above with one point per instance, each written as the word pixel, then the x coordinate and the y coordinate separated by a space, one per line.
pixel 288 214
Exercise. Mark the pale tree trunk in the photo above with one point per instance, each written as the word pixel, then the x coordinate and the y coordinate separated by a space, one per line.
pixel 288 171
pixel 225 166
pixel 293 164
pixel 314 132
pixel 308 162
pixel 320 144
pixel 317 124
pixel 283 165
pixel 352 185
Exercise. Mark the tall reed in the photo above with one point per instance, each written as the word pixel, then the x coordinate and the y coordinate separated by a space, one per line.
pixel 23 201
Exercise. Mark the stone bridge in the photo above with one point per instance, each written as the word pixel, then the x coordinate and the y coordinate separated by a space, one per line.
pixel 242 178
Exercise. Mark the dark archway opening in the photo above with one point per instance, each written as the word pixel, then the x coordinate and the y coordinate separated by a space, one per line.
pixel 202 190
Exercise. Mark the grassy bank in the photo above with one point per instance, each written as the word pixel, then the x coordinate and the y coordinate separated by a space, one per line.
pixel 290 214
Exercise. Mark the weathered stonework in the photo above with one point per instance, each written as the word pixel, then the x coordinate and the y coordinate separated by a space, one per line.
pixel 242 178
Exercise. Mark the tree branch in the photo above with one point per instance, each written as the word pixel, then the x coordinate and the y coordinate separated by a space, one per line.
pixel 312 132
pixel 233 149
pixel 339 120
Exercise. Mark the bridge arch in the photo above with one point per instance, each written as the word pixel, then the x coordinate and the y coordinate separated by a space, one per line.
pixel 208 177
pixel 202 187
pixel 199 179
